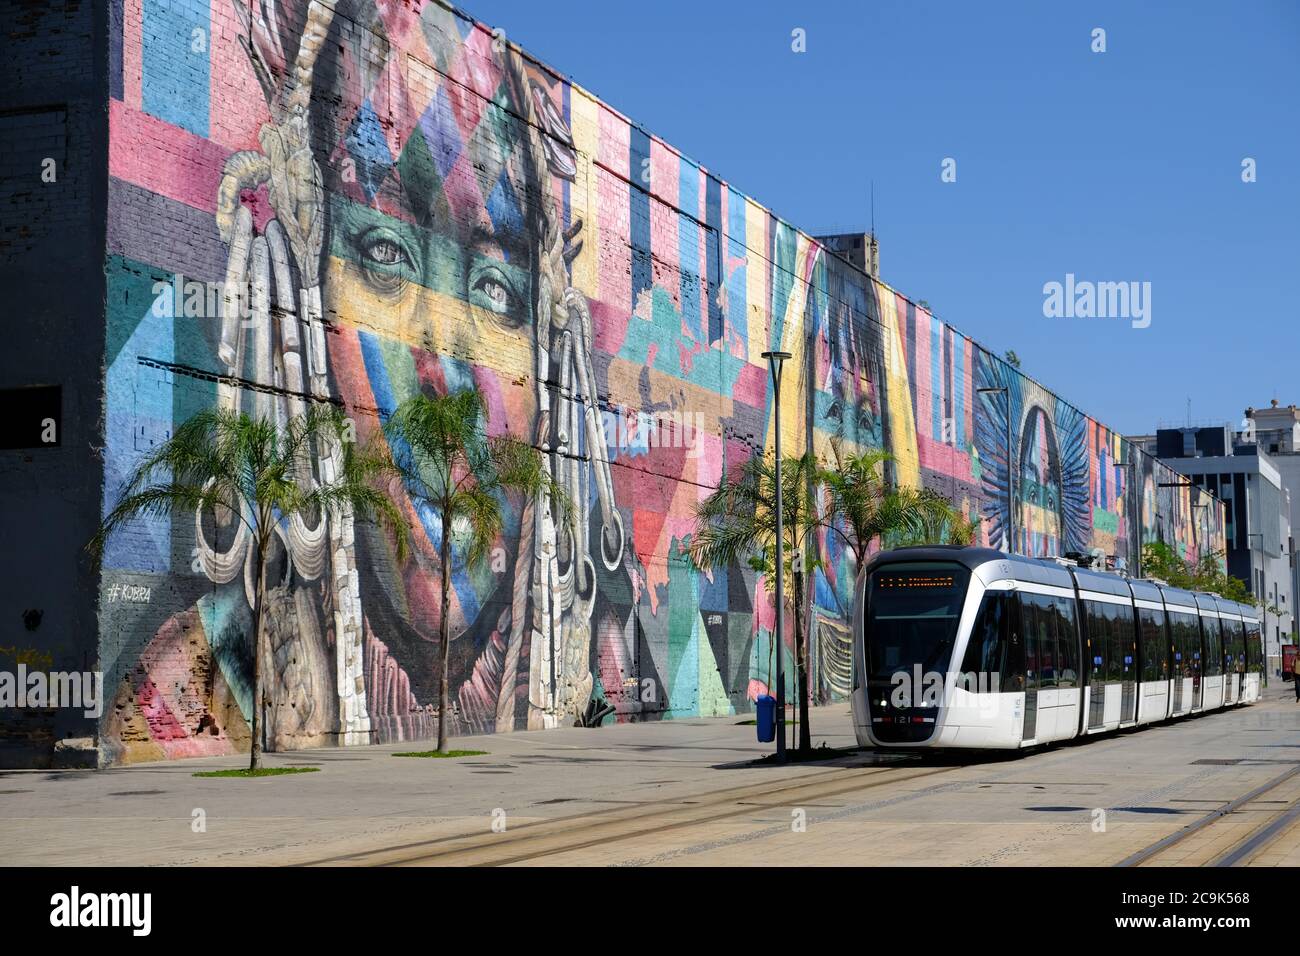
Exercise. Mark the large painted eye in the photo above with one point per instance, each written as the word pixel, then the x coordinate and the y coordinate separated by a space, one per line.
pixel 385 252
pixel 495 292
pixel 387 261
pixel 492 288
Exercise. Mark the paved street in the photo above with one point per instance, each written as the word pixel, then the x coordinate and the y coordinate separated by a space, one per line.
pixel 685 793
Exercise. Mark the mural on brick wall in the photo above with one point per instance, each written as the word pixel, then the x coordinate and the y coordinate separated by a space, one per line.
pixel 355 202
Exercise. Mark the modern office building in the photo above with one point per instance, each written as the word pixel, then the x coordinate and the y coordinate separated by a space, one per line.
pixel 1276 430
pixel 1259 489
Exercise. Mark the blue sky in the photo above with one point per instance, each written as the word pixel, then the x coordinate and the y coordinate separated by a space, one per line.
pixel 1115 166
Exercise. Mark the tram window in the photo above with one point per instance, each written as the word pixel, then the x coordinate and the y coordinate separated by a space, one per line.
pixel 1047 664
pixel 1067 644
pixel 1181 627
pixel 986 653
pixel 1187 643
pixel 1212 658
pixel 1029 628
pixel 1097 630
pixel 1233 648
pixel 912 613
pixel 1119 644
pixel 1155 646
pixel 1039 624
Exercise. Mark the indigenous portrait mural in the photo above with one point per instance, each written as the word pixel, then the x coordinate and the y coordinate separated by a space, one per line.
pixel 355 202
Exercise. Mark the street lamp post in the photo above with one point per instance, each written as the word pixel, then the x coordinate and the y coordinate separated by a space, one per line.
pixel 1263 589
pixel 775 361
pixel 1011 508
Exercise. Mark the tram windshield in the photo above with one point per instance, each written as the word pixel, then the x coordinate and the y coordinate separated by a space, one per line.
pixel 912 614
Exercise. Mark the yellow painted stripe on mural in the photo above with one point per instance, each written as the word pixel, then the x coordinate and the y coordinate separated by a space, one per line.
pixel 902 424
pixel 422 318
pixel 585 122
pixel 794 381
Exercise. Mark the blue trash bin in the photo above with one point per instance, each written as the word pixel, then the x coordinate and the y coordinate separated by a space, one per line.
pixel 765 706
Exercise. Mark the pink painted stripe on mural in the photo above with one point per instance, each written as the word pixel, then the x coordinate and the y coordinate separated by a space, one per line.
pixel 665 241
pixel 614 142
pixel 132 53
pixel 164 159
pixel 751 385
pixel 609 193
pixel 1094 478
pixel 945 459
pixel 610 323
pixel 237 107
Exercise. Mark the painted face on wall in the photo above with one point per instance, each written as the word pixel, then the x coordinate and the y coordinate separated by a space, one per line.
pixel 435 199
pixel 421 183
pixel 1039 489
pixel 432 201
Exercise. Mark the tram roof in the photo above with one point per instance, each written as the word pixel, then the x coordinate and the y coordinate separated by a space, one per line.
pixel 1101 582
pixel 1179 596
pixel 1145 590
pixel 969 556
pixel 973 556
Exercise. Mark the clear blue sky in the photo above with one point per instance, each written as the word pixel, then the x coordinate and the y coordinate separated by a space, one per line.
pixel 1115 166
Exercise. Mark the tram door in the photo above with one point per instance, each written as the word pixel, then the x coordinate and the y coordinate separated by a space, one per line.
pixel 1097 628
pixel 1126 651
pixel 1178 666
pixel 1016 665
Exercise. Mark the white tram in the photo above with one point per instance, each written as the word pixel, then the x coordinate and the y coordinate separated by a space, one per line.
pixel 966 647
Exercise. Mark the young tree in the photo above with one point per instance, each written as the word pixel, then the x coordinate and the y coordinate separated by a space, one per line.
pixel 255 471
pixel 863 507
pixel 447 460
pixel 738 520
pixel 1161 561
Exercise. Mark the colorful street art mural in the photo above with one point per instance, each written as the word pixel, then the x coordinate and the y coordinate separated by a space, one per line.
pixel 356 201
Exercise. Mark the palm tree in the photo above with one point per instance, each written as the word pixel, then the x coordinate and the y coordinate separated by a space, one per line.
pixel 256 471
pixel 448 462
pixel 863 507
pixel 738 520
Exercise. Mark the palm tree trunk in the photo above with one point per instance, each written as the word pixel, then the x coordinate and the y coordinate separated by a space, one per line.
pixel 801 663
pixel 255 745
pixel 444 694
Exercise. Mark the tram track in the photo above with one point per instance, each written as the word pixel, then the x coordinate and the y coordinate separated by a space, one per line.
pixel 544 838
pixel 1242 850
pixel 1221 837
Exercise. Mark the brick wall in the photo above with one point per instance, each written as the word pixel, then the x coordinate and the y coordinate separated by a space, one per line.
pixel 53 173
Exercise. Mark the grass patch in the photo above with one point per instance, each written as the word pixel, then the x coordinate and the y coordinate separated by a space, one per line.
pixel 259 772
pixel 746 723
pixel 449 753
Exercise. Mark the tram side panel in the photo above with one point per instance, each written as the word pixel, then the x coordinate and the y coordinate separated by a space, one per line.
pixel 1109 662
pixel 1154 656
pixel 1211 658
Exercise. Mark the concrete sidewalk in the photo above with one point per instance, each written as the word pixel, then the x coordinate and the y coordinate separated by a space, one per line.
pixel 145 814
pixel 677 793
